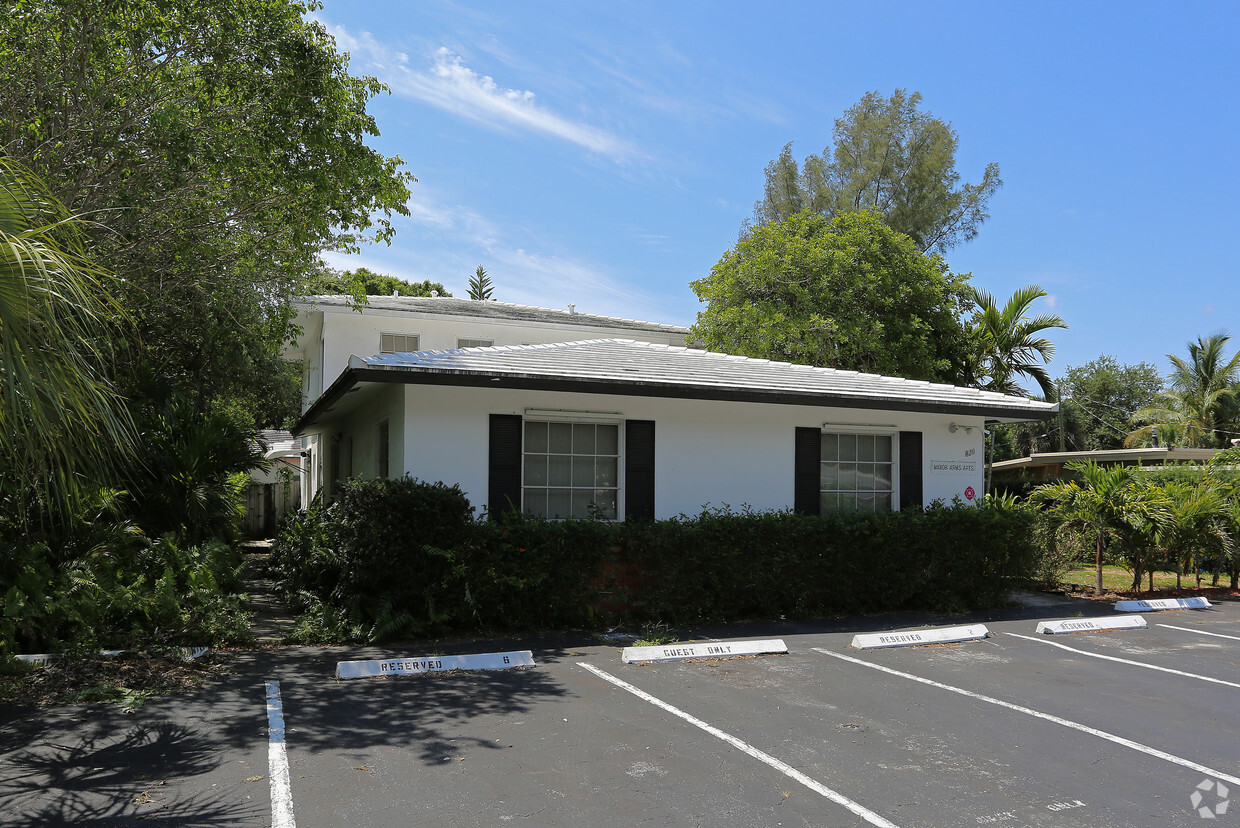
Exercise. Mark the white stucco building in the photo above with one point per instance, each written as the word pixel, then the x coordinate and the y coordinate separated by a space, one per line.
pixel 561 414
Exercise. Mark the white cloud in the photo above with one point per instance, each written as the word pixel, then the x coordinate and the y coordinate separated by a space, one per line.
pixel 450 85
pixel 445 241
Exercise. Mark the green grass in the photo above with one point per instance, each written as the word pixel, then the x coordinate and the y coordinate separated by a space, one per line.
pixel 1116 577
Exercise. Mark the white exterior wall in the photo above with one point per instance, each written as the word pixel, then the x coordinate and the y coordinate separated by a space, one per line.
pixel 706 453
pixel 358 432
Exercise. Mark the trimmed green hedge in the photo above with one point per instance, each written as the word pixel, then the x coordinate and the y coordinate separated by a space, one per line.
pixel 399 558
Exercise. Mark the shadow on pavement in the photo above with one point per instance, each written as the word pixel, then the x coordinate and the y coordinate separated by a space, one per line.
pixel 415 713
pixel 98 766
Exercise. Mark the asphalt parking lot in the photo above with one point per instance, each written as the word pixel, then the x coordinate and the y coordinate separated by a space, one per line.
pixel 1126 728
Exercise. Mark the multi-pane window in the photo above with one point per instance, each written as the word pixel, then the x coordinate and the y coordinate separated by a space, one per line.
pixel 856 473
pixel 474 343
pixel 571 469
pixel 394 343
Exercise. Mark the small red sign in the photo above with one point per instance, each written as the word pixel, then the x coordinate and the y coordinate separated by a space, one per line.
pixel 969 494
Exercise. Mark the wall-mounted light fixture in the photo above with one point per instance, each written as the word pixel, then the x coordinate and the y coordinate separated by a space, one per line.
pixel 954 427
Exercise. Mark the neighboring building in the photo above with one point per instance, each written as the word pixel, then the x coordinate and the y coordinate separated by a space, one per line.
pixel 609 417
pixel 275 490
pixel 1050 465
pixel 336 327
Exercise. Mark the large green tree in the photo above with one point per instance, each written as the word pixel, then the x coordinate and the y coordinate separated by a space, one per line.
pixel 1202 406
pixel 1101 396
pixel 219 147
pixel 847 293
pixel 890 157
pixel 63 425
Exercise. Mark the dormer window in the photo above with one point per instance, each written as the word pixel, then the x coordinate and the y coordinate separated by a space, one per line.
pixel 394 343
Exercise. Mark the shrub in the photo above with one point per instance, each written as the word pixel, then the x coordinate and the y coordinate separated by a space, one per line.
pixel 382 556
pixel 394 559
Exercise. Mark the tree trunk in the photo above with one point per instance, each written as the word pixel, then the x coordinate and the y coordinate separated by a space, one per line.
pixel 1098 562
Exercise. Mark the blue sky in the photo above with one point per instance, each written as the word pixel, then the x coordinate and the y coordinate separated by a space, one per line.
pixel 606 154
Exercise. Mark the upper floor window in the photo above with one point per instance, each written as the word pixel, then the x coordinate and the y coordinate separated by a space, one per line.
pixel 474 343
pixel 394 343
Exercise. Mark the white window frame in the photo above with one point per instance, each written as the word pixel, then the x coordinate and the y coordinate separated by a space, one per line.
pixel 396 350
pixel 474 343
pixel 858 430
pixel 576 418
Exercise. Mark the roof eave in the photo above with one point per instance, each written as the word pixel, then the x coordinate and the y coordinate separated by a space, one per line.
pixel 593 385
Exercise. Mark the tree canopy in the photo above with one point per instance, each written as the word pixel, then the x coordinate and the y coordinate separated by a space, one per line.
pixel 218 148
pixel 363 282
pixel 1102 395
pixel 889 157
pixel 847 292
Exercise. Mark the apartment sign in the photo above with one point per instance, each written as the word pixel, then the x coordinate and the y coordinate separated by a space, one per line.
pixel 968 466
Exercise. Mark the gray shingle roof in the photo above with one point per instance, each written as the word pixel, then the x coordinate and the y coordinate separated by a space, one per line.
pixel 622 366
pixel 451 306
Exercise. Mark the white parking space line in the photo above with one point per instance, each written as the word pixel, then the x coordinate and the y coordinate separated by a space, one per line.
pixel 1200 632
pixel 1124 660
pixel 1101 734
pixel 783 767
pixel 277 761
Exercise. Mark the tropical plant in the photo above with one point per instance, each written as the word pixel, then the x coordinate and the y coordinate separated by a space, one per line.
pixel 1096 505
pixel 192 473
pixel 63 425
pixel 1145 514
pixel 1202 404
pixel 480 286
pixel 1197 526
pixel 1005 342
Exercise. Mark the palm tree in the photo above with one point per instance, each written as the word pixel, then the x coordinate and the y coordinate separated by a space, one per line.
pixel 1107 504
pixel 62 423
pixel 1198 522
pixel 1006 342
pixel 1203 397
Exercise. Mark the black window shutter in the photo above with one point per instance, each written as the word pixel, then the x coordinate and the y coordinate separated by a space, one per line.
pixel 504 464
pixel 639 470
pixel 807 472
pixel 911 491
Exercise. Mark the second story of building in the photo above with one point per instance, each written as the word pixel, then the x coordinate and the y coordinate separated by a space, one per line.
pixel 333 328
